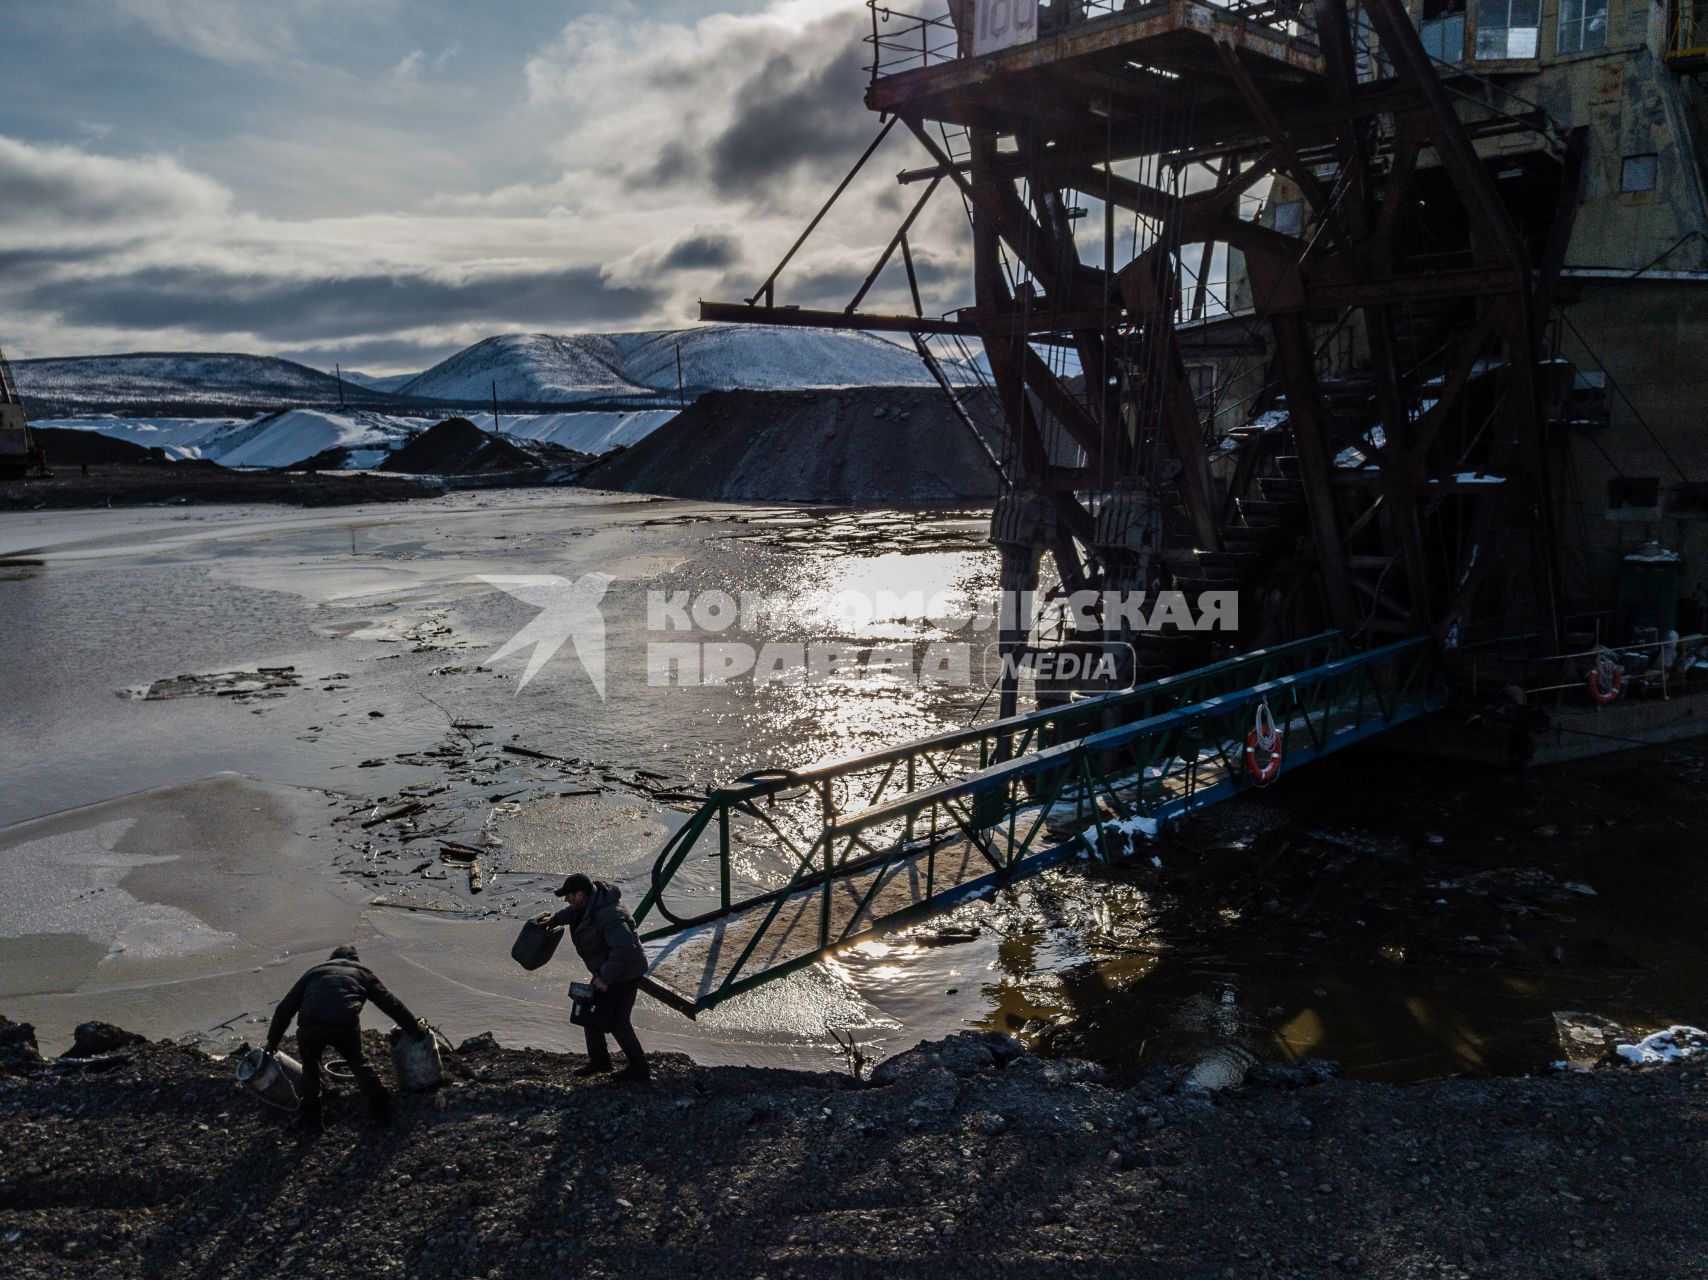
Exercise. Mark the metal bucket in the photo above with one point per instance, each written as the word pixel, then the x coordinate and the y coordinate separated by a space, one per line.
pixel 275 1078
pixel 416 1060
pixel 535 944
pixel 587 1010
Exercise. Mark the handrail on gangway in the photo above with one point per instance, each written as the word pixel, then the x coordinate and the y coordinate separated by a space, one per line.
pixel 929 761
pixel 931 848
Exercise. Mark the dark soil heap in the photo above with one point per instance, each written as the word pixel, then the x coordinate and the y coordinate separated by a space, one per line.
pixel 149 484
pixel 456 447
pixel 867 445
pixel 73 448
pixel 968 1158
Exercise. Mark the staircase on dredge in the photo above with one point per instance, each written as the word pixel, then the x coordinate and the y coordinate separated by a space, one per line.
pixel 787 865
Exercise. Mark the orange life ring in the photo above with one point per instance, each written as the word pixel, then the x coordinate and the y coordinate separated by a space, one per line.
pixel 1263 747
pixel 1606 679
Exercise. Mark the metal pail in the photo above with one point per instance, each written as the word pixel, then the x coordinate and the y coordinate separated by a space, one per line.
pixel 275 1078
pixel 416 1060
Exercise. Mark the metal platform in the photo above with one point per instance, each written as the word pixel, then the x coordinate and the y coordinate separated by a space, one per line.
pixel 858 846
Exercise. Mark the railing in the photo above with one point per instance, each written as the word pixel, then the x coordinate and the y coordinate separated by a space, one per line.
pixel 1032 811
pixel 1687 34
pixel 773 819
pixel 903 41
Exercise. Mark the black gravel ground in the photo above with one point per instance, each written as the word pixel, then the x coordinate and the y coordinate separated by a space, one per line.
pixel 195 483
pixel 968 1158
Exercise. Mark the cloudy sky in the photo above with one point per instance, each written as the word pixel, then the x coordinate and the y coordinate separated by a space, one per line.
pixel 382 182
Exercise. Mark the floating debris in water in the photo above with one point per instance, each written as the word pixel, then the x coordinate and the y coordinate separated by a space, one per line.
pixel 244 686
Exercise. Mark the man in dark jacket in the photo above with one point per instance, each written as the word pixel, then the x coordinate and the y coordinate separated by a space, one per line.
pixel 327 1004
pixel 604 935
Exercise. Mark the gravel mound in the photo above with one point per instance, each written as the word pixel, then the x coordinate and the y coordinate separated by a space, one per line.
pixel 978 1159
pixel 72 448
pixel 456 447
pixel 866 446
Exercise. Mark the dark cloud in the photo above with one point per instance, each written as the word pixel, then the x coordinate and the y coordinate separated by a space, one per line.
pixel 295 311
pixel 701 252
pixel 789 118
pixel 64 189
pixel 794 106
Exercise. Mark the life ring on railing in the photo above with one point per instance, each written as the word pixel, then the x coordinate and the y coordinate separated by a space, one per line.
pixel 1263 747
pixel 1606 679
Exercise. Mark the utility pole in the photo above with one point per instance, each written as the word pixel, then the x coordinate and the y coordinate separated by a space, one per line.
pixel 681 398
pixel 338 370
pixel 495 406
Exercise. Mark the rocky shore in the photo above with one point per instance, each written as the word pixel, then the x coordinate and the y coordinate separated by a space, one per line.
pixel 964 1157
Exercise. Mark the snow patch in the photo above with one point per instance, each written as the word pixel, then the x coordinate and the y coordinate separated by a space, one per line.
pixel 1671 1045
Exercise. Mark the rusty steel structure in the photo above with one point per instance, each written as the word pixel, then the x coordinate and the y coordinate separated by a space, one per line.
pixel 1360 438
pixel 17 451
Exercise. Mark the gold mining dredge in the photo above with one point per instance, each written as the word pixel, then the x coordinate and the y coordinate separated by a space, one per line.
pixel 1387 318
pixel 16 452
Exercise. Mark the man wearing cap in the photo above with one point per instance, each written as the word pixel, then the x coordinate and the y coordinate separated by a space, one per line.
pixel 604 935
pixel 327 1004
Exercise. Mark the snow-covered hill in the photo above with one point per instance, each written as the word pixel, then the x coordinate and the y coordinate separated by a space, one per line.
pixel 386 383
pixel 590 433
pixel 271 440
pixel 529 368
pixel 285 439
pixel 758 358
pixel 543 369
pixel 159 379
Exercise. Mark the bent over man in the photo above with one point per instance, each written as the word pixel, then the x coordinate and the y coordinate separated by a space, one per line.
pixel 327 1004
pixel 604 935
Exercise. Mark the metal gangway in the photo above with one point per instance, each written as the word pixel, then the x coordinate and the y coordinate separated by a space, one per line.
pixel 806 861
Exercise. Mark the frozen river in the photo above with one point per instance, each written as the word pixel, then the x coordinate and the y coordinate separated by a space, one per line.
pixel 175 850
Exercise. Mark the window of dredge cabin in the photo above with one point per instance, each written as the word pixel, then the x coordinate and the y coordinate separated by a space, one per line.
pixel 1442 27
pixel 1583 26
pixel 1508 29
pixel 1639 173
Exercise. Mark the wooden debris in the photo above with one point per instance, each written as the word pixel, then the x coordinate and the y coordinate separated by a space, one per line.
pixel 530 753
pixel 413 807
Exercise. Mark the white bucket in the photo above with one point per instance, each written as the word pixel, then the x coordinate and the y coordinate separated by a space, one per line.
pixel 275 1078
pixel 416 1061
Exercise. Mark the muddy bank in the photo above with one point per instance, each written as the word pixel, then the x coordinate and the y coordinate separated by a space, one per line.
pixel 972 1158
pixel 868 445
pixel 195 483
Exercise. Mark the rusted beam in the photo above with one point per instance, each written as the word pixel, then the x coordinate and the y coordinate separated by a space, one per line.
pixel 1059 401
pixel 896 240
pixel 1038 323
pixel 1280 138
pixel 1492 225
pixel 1430 423
pixel 1316 467
pixel 766 290
pixel 1147 298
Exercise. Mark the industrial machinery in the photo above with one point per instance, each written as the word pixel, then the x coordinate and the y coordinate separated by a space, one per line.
pixel 1386 319
pixel 1330 305
pixel 17 453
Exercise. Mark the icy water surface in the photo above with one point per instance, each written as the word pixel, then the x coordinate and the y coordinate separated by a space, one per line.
pixel 1405 919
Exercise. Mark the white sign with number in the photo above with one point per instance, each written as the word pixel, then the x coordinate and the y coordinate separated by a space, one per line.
pixel 1002 24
